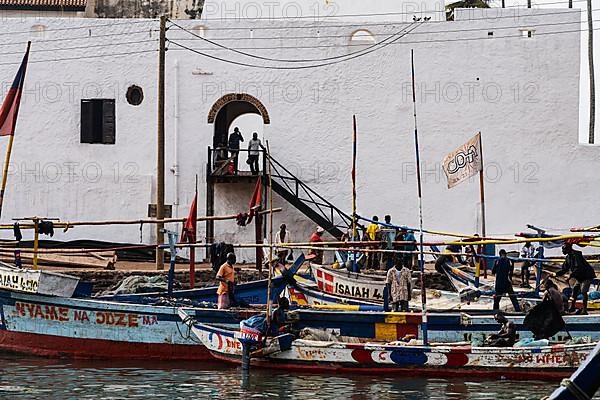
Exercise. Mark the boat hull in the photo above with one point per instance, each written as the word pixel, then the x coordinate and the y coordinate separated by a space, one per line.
pixel 547 362
pixel 84 328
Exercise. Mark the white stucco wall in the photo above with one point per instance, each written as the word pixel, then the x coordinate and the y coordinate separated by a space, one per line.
pixel 321 10
pixel 521 93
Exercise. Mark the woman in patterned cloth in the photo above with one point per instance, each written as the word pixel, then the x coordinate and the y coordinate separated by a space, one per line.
pixel 398 282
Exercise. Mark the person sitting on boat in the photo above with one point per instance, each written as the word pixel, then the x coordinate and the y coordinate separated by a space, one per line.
pixel 506 336
pixel 278 316
pixel 373 234
pixel 581 271
pixel 528 251
pixel 552 294
pixel 398 282
pixel 283 236
pixel 316 238
pixel 503 269
pixel 226 278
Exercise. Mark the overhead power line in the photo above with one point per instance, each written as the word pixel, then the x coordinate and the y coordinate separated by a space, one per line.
pixel 70 28
pixel 245 39
pixel 532 13
pixel 390 37
pixel 83 57
pixel 348 59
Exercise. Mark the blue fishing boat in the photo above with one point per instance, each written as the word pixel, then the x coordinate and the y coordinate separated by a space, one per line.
pixel 584 382
pixel 248 293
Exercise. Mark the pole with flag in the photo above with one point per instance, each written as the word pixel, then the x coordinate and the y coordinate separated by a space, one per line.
pixel 354 267
pixel 461 164
pixel 189 235
pixel 8 117
pixel 418 160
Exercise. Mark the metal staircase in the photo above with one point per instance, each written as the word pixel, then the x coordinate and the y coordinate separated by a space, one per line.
pixel 309 202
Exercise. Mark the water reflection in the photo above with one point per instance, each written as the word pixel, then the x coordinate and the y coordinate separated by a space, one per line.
pixel 36 378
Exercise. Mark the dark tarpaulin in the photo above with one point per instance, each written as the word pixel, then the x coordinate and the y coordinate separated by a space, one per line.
pixel 544 320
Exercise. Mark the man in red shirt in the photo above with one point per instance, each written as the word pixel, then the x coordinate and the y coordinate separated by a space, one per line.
pixel 316 238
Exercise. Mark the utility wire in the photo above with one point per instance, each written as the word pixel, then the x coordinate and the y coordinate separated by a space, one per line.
pixel 348 59
pixel 200 51
pixel 82 47
pixel 68 28
pixel 359 25
pixel 213 40
pixel 324 64
pixel 83 57
pixel 389 37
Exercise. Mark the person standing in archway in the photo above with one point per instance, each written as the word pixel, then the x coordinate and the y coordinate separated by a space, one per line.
pixel 234 146
pixel 253 152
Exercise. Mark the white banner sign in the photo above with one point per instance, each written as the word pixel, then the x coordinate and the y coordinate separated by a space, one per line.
pixel 22 281
pixel 463 162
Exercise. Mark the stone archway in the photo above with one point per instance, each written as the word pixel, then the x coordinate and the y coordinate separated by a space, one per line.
pixel 230 106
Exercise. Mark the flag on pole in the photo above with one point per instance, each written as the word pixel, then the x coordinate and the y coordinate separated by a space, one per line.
pixel 188 233
pixel 463 162
pixel 255 201
pixel 10 106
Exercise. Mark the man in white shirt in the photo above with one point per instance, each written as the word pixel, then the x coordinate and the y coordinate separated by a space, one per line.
pixel 253 152
pixel 283 236
pixel 528 251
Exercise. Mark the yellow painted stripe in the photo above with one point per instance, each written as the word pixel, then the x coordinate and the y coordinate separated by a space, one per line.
pixel 395 318
pixel 341 307
pixel 385 331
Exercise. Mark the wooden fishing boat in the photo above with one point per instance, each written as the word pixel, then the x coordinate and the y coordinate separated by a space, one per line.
pixel 28 280
pixel 584 382
pixel 51 326
pixel 343 287
pixel 254 292
pixel 34 324
pixel 303 292
pixel 285 353
pixel 348 284
pixel 352 320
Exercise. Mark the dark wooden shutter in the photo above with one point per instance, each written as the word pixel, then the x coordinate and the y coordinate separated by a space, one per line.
pixel 87 121
pixel 108 121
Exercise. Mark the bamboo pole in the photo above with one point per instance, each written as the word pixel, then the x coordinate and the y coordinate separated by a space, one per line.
pixel 69 224
pixel 270 177
pixel 420 192
pixel 160 146
pixel 36 237
pixel 354 266
pixel 5 171
pixel 482 262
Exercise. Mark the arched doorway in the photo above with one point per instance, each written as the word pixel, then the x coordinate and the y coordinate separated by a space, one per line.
pixel 229 107
pixel 251 115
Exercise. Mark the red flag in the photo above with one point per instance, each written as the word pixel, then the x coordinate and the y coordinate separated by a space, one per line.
pixel 189 228
pixel 10 106
pixel 255 200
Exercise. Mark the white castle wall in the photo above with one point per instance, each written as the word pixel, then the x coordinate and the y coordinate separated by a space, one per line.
pixel 521 93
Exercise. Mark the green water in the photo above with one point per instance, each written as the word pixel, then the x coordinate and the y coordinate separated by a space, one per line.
pixel 36 378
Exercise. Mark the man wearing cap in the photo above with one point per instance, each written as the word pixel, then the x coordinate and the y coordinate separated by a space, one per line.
pixel 315 239
pixel 226 278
